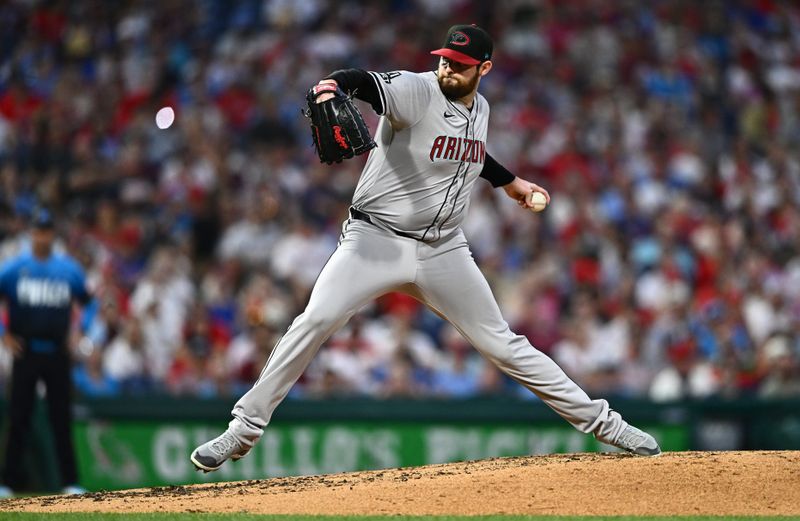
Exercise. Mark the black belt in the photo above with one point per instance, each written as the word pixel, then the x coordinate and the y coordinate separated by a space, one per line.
pixel 358 215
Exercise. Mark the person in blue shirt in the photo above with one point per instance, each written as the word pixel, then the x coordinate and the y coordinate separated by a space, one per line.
pixel 39 288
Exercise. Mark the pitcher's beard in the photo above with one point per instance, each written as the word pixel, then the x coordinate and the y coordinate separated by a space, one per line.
pixel 458 90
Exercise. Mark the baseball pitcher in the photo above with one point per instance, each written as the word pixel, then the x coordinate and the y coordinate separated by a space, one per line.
pixel 404 234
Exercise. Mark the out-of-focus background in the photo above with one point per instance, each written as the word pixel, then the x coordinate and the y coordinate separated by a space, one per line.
pixel 665 275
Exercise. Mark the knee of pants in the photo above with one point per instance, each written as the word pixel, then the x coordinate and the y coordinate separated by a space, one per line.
pixel 319 318
pixel 503 348
pixel 517 354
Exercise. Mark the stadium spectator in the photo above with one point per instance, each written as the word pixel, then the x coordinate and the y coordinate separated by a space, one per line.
pixel 124 359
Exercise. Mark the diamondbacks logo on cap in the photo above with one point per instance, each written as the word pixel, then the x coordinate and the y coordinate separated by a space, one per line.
pixel 468 44
pixel 459 38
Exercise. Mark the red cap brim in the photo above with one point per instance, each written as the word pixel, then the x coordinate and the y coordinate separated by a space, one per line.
pixel 456 56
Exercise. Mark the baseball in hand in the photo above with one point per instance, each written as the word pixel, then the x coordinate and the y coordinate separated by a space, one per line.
pixel 165 117
pixel 536 201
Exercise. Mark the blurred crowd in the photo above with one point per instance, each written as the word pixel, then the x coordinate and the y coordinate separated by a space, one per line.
pixel 667 132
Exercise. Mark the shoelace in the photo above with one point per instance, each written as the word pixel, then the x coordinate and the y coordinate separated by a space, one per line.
pixel 223 445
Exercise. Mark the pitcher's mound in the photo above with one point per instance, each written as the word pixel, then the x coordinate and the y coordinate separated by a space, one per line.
pixel 679 483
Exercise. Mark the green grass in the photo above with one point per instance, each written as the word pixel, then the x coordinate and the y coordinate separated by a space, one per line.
pixel 94 516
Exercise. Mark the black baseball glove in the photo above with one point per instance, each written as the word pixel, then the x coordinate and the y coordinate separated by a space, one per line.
pixel 337 127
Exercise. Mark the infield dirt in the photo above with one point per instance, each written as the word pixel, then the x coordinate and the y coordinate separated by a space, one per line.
pixel 680 483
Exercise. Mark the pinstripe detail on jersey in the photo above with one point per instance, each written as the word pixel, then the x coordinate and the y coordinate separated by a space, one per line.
pixel 446 196
pixel 455 177
pixel 464 159
pixel 380 92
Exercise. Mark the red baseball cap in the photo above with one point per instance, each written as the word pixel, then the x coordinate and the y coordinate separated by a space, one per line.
pixel 467 44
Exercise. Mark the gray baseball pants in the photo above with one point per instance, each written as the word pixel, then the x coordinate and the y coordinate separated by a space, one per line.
pixel 369 262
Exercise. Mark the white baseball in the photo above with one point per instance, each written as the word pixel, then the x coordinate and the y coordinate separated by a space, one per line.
pixel 536 201
pixel 164 117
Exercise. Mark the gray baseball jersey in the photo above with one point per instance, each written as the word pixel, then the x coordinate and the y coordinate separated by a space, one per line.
pixel 405 236
pixel 430 152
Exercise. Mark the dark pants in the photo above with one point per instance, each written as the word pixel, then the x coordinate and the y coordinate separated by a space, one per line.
pixel 54 370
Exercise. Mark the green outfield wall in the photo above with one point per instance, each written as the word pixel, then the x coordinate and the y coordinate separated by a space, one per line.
pixel 127 454
pixel 134 442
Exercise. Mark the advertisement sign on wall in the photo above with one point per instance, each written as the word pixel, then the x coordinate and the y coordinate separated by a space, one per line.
pixel 126 454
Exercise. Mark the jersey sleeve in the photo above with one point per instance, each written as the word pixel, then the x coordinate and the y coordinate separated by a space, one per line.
pixel 6 278
pixel 405 97
pixel 79 289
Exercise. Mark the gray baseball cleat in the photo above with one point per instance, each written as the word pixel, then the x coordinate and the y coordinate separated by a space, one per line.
pixel 210 456
pixel 638 442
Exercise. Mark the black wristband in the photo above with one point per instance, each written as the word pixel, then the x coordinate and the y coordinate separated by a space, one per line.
pixel 360 83
pixel 496 173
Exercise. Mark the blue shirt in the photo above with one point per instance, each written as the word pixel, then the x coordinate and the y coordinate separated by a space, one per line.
pixel 39 294
pixel 87 385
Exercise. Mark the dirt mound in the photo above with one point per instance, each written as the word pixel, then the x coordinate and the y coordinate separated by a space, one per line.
pixel 680 483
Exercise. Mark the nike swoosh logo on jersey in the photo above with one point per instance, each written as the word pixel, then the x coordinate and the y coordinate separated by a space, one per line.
pixel 448 115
